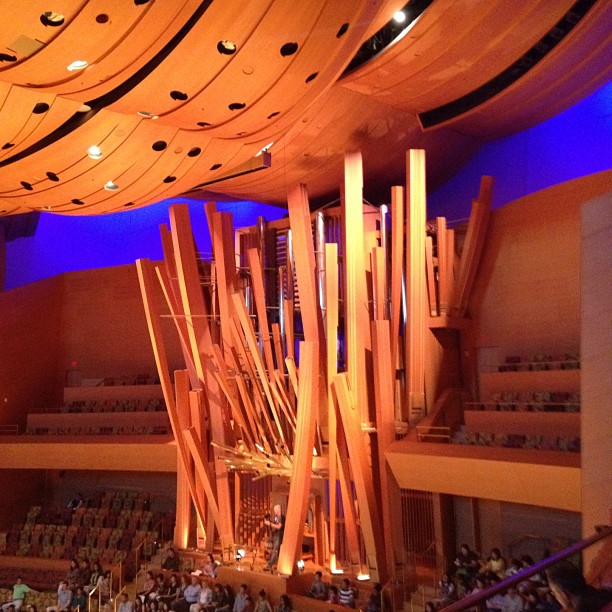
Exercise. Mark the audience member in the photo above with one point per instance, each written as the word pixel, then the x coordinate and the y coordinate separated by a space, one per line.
pixel 190 596
pixel 79 601
pixel 161 589
pixel 573 593
pixel 447 590
pixel 147 588
pixel 495 564
pixel 18 595
pixel 512 601
pixel 229 599
pixel 210 566
pixel 96 572
pixel 104 585
pixel 73 575
pixel 84 573
pixel 64 598
pixel 284 604
pixel 430 606
pixel 346 594
pixel 171 562
pixel 173 591
pixel 318 588
pixel 262 604
pixel 466 562
pixel 205 599
pixel 334 595
pixel 125 605
pixel 241 603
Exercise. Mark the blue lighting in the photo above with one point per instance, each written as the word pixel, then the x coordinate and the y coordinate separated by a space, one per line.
pixel 69 243
pixel 572 144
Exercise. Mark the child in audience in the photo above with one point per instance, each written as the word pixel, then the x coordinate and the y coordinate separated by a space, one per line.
pixel 495 564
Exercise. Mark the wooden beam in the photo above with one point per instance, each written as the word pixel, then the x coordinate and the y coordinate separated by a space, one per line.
pixel 443 265
pixel 385 433
pixel 472 248
pixel 379 283
pixel 257 284
pixel 299 488
pixel 397 266
pixel 278 352
pixel 415 282
pixel 356 315
pixel 362 476
pixel 430 274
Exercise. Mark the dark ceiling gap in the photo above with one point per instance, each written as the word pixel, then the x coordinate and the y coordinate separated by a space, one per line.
pixel 96 105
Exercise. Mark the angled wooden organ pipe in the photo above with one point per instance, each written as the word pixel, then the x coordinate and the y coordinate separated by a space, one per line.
pixel 328 408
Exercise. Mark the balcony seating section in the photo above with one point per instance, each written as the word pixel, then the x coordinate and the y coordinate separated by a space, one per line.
pixel 126 405
pixel 107 528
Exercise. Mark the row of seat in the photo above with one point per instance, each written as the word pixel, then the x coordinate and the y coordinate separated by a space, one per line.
pixel 124 405
pixel 533 442
pixel 541 361
pixel 99 431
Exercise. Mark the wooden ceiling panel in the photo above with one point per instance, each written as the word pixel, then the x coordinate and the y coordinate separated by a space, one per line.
pixel 448 61
pixel 195 62
pixel 83 38
pixel 578 66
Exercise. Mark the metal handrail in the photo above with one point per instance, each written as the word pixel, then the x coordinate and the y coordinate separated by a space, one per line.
pixel 478 599
pixel 117 597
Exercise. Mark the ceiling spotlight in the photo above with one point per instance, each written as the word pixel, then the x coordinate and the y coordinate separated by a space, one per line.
pixel 94 152
pixel 399 17
pixel 77 65
pixel 110 186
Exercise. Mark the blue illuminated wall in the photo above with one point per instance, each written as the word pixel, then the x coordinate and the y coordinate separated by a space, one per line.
pixel 64 244
pixel 575 143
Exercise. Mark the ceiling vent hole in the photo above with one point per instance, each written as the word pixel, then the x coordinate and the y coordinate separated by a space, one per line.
pixel 204 124
pixel 52 19
pixel 178 95
pixel 129 204
pixel 27 186
pixel 236 106
pixel 215 166
pixel 102 18
pixel 77 202
pixel 40 108
pixel 159 145
pixel 194 152
pixel 8 145
pixel 170 179
pixel 52 176
pixel 272 115
pixel 226 47
pixel 5 57
pixel 343 30
pixel 312 77
pixel 288 49
pixel 141 2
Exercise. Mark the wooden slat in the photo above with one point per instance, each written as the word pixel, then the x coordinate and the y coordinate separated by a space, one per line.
pixel 293 374
pixel 443 264
pixel 259 293
pixel 451 264
pixel 362 475
pixel 145 278
pixel 289 336
pixel 385 433
pixel 397 266
pixel 299 488
pixel 472 249
pixel 379 284
pixel 278 351
pixel 331 328
pixel 430 275
pixel 356 316
pixel 415 281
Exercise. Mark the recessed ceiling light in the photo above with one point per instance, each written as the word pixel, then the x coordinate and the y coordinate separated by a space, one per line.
pixel 94 152
pixel 77 65
pixel 110 186
pixel 399 17
pixel 145 114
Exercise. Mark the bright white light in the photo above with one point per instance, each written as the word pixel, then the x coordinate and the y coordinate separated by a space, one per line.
pixel 300 565
pixel 94 152
pixel 363 577
pixel 399 17
pixel 77 65
pixel 241 552
pixel 264 149
pixel 110 186
pixel 337 571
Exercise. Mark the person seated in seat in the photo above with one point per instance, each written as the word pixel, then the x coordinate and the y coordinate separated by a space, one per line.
pixel 466 562
pixel 346 594
pixel 318 588
pixel 64 598
pixel 205 599
pixel 242 601
pixel 147 588
pixel 18 595
pixel 495 564
pixel 125 604
pixel 171 562
pixel 190 596
pixel 79 601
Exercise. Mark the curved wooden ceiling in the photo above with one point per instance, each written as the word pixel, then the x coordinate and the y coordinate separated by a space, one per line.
pixel 177 94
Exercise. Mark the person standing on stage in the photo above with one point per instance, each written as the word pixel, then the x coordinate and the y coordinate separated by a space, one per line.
pixel 277 524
